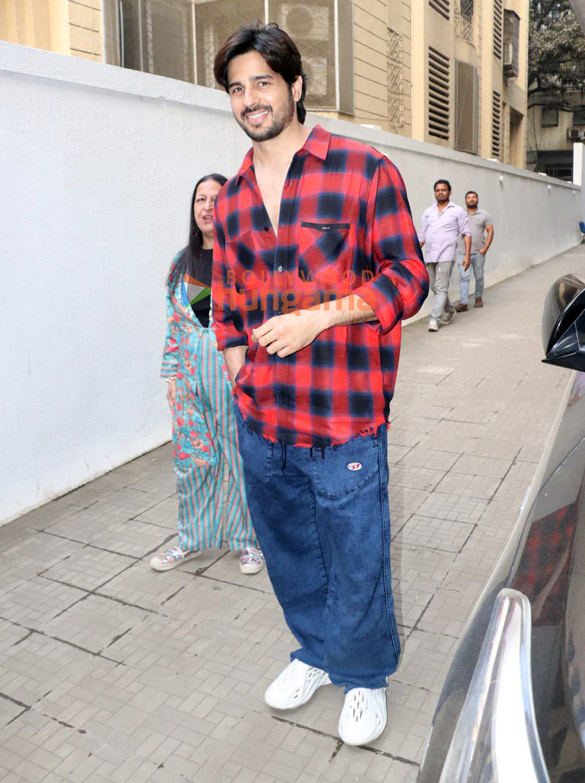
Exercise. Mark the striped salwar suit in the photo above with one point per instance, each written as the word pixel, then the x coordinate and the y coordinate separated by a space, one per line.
pixel 204 428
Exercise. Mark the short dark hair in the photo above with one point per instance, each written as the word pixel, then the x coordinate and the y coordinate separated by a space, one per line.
pixel 274 45
pixel 442 182
pixel 469 192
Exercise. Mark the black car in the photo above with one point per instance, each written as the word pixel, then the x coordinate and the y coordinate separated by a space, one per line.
pixel 512 709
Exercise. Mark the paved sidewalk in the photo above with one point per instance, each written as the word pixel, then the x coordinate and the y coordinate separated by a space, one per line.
pixel 111 672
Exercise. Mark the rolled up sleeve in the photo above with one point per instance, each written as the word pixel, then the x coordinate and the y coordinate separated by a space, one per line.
pixel 401 282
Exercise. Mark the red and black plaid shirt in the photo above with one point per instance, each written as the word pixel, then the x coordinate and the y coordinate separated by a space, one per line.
pixel 345 226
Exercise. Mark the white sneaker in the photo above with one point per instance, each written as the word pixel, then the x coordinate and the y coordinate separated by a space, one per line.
pixel 433 325
pixel 295 686
pixel 364 715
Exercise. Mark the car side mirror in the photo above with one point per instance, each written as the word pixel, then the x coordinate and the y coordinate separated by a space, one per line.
pixel 563 323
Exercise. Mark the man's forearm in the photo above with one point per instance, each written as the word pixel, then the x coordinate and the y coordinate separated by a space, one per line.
pixel 351 309
pixel 234 359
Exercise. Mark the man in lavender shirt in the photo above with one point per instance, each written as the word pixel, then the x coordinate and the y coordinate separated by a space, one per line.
pixel 442 224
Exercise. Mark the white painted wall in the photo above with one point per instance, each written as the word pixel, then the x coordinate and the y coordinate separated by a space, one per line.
pixel 97 167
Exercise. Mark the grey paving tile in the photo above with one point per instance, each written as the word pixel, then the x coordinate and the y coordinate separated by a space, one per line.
pixel 38 665
pixel 417 573
pixel 131 537
pixel 435 533
pixel 413 477
pixel 95 623
pixel 470 465
pixel 227 569
pixel 437 459
pixel 141 586
pixel 34 603
pixel 24 557
pixel 88 568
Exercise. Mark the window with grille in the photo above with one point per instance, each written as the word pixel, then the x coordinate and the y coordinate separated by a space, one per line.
pixel 466 107
pixel 155 36
pixel 180 38
pixel 464 20
pixel 511 44
pixel 213 23
pixel 579 115
pixel 498 28
pixel 441 6
pixel 395 79
pixel 322 30
pixel 496 124
pixel 438 94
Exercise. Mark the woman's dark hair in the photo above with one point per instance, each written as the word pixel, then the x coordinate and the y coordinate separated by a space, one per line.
pixel 442 182
pixel 274 45
pixel 190 260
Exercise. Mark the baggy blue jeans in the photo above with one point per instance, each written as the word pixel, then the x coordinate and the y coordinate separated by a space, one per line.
pixel 322 520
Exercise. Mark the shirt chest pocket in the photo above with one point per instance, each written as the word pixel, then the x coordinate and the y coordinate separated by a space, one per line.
pixel 324 251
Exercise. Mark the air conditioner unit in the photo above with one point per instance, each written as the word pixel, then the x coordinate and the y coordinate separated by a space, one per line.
pixel 305 22
pixel 574 134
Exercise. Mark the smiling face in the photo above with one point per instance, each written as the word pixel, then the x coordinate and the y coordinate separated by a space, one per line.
pixel 262 102
pixel 203 209
pixel 442 193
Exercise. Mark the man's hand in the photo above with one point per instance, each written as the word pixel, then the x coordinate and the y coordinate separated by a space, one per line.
pixel 171 393
pixel 465 263
pixel 483 251
pixel 235 358
pixel 286 334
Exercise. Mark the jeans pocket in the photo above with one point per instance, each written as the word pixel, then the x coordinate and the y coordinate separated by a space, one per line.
pixel 339 471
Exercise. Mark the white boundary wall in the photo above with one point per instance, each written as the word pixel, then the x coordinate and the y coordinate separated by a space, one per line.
pixel 97 167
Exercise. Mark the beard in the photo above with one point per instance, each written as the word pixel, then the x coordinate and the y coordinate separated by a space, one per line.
pixel 281 120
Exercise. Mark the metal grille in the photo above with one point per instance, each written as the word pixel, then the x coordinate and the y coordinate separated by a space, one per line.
pixel 496 124
pixel 395 80
pixel 464 20
pixel 438 94
pixel 511 44
pixel 157 37
pixel 311 24
pixel 441 6
pixel 498 28
pixel 169 39
pixel 214 21
pixel 466 107
pixel 312 27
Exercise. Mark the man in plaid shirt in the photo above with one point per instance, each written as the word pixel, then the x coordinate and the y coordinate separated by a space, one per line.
pixel 316 262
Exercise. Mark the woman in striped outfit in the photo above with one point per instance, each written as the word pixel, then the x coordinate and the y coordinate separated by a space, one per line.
pixel 199 395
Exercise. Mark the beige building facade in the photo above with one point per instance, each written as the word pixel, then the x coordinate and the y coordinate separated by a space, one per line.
pixel 450 72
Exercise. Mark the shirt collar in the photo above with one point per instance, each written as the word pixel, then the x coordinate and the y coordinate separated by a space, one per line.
pixel 450 204
pixel 317 144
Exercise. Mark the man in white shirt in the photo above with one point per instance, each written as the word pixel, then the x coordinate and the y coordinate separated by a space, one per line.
pixel 481 226
pixel 442 225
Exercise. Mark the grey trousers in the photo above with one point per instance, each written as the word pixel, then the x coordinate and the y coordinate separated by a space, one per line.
pixel 439 277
